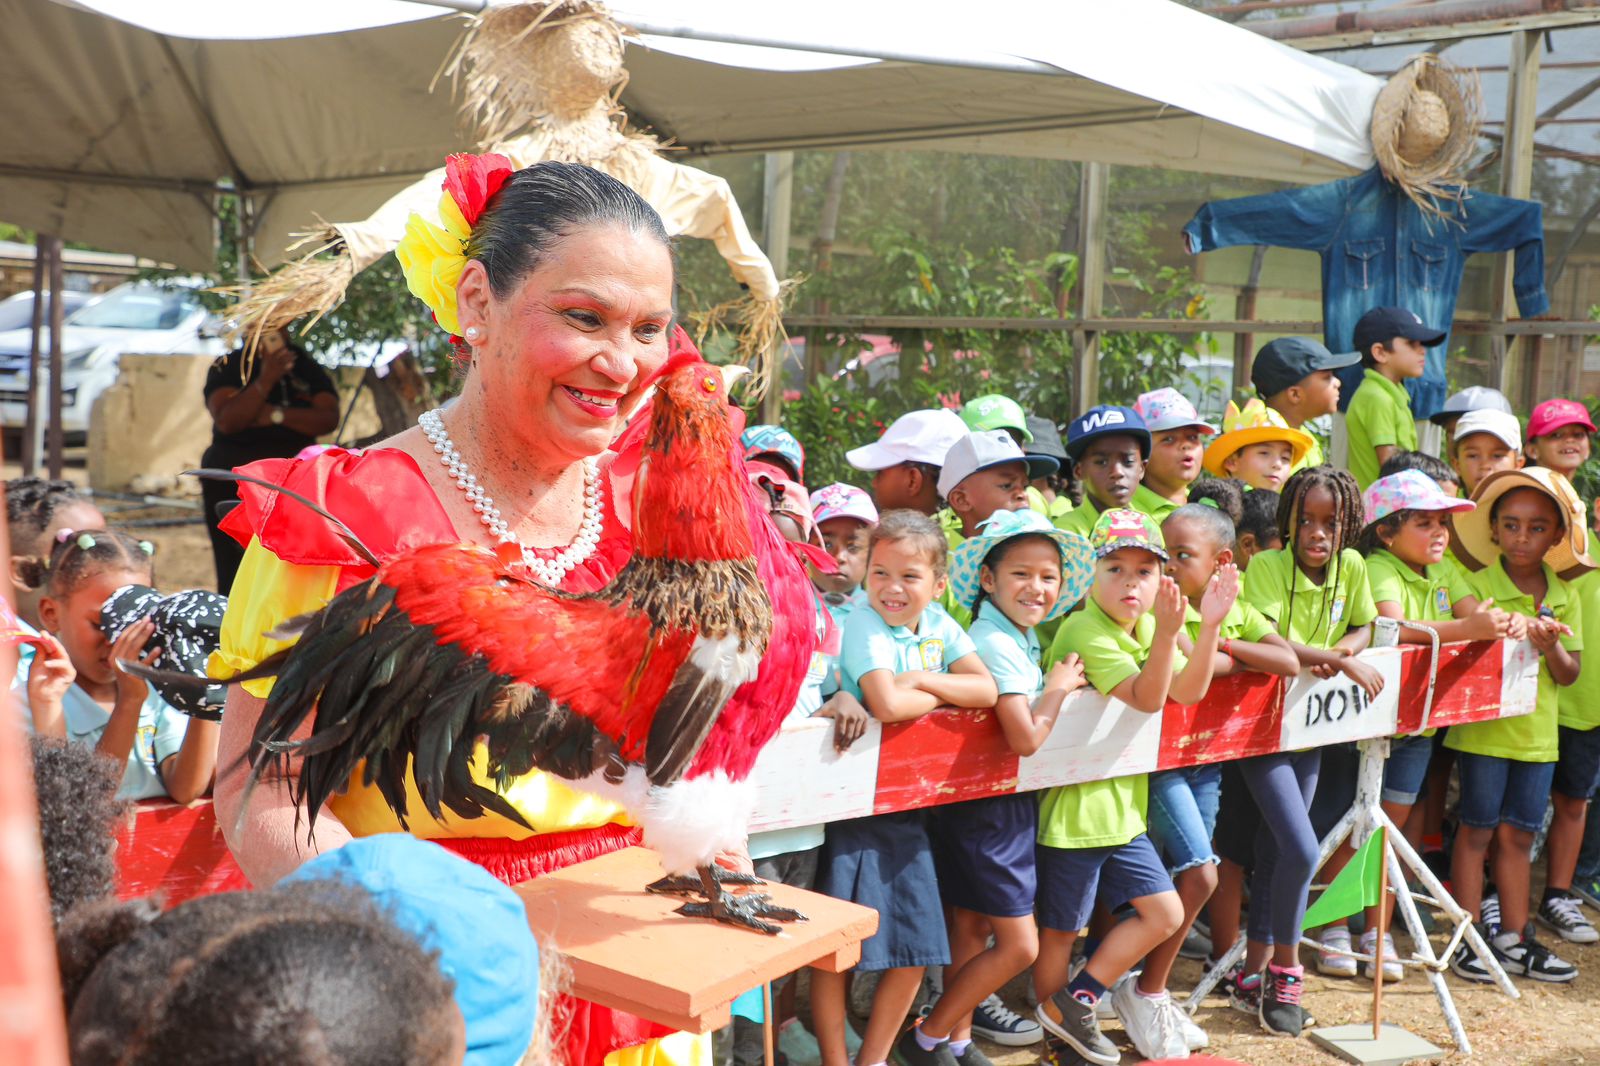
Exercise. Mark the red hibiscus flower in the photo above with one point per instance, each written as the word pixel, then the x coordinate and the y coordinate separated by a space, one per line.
pixel 472 179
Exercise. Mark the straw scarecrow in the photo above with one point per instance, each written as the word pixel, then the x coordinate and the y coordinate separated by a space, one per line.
pixel 541 80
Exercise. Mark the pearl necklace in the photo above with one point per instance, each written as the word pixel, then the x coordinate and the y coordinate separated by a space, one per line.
pixel 549 571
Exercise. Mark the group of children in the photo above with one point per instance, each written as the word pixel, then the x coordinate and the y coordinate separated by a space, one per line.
pixel 966 579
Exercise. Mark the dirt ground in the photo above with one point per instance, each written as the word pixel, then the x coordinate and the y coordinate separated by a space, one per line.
pixel 1552 1025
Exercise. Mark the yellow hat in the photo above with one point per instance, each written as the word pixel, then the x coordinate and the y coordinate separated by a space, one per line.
pixel 1254 424
pixel 1472 540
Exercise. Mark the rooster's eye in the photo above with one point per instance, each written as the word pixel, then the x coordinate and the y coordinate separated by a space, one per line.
pixel 709 383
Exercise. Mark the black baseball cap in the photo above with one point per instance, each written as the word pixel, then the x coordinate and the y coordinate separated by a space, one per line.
pixel 1383 324
pixel 1046 439
pixel 1287 361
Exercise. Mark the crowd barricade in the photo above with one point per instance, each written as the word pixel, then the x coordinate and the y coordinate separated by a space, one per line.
pixel 955 755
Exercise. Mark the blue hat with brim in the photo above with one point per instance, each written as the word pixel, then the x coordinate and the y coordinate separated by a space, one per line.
pixel 478 926
pixel 1077 558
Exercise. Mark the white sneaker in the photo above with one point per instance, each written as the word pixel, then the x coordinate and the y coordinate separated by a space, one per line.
pixel 1392 970
pixel 1149 1022
pixel 1193 1036
pixel 1330 964
pixel 1103 1009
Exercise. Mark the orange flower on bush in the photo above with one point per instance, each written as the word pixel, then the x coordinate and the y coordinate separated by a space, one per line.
pixel 432 257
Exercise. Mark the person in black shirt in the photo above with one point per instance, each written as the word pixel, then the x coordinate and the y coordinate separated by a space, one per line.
pixel 287 404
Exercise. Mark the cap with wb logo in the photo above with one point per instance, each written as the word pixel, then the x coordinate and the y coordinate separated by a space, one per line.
pixel 1104 421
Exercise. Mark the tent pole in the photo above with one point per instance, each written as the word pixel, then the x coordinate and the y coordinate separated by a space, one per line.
pixel 243 232
pixel 1516 180
pixel 776 207
pixel 32 432
pixel 1093 178
pixel 56 368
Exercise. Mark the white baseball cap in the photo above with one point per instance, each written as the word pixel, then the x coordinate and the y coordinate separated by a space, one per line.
pixel 1501 424
pixel 914 437
pixel 980 451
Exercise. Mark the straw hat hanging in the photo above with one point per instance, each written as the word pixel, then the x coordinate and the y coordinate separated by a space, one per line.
pixel 1425 128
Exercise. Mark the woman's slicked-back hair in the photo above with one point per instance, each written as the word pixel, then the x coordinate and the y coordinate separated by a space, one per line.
pixel 542 204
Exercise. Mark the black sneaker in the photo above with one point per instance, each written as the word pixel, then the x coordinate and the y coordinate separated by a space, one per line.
pixel 1057 1053
pixel 999 1024
pixel 1531 959
pixel 907 1052
pixel 1465 963
pixel 1280 1013
pixel 1244 995
pixel 1079 1028
pixel 1565 915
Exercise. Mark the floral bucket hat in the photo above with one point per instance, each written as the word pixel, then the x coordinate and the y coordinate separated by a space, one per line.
pixel 1077 558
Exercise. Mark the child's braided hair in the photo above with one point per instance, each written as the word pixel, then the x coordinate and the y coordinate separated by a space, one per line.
pixel 80 554
pixel 1348 513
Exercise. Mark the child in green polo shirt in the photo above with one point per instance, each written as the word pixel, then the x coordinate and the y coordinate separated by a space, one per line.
pixel 1257 447
pixel 1295 376
pixel 1528 528
pixel 902 656
pixel 1393 343
pixel 1108 446
pixel 1092 835
pixel 1177 440
pixel 1559 440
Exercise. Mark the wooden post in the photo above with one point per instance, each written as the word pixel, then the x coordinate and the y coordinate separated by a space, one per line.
pixel 778 198
pixel 767 1027
pixel 56 361
pixel 33 427
pixel 1245 309
pixel 1383 927
pixel 1093 180
pixel 1516 179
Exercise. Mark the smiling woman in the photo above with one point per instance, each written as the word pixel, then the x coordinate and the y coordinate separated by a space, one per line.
pixel 559 281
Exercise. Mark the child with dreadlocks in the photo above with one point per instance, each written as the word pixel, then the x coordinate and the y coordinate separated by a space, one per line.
pixel 1314 590
pixel 89 699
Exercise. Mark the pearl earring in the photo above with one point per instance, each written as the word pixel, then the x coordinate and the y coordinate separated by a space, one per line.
pixel 474 333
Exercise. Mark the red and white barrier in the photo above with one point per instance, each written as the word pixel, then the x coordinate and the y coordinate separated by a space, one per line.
pixel 951 756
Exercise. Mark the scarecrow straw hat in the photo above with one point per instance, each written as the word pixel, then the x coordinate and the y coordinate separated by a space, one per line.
pixel 1474 546
pixel 1425 128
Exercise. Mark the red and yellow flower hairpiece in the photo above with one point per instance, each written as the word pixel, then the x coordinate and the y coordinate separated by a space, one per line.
pixel 431 256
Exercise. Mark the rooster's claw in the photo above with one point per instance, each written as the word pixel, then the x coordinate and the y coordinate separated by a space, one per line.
pixel 697 886
pixel 747 911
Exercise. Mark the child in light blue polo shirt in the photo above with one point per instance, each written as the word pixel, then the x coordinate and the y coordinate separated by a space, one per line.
pixel 903 657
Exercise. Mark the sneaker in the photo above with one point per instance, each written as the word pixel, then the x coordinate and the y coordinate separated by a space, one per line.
pixel 1195 946
pixel 907 1052
pixel 999 1024
pixel 1104 1010
pixel 1280 1012
pixel 1588 891
pixel 797 1046
pixel 1194 1037
pixel 1465 962
pixel 1245 996
pixel 1335 938
pixel 1489 911
pixel 1057 1053
pixel 1392 970
pixel 1079 1028
pixel 1565 916
pixel 971 1056
pixel 1532 959
pixel 1224 986
pixel 1149 1023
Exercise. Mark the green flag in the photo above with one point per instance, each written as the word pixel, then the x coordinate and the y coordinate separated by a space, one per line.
pixel 1355 887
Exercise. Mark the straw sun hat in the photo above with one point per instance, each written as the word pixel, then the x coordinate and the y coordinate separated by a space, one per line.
pixel 1470 532
pixel 1425 128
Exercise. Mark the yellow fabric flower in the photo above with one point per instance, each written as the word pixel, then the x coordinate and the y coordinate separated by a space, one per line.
pixel 433 257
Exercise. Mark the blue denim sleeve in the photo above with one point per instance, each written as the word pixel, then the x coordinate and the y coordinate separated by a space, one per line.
pixel 1500 224
pixel 1289 218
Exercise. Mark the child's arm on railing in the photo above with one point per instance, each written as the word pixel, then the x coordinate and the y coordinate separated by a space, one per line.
pixel 964 683
pixel 1474 620
pixel 888 701
pixel 1026 728
pixel 1269 655
pixel 1341 658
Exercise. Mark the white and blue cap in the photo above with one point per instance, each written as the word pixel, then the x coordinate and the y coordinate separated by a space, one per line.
pixel 983 449
pixel 1077 558
pixel 1104 421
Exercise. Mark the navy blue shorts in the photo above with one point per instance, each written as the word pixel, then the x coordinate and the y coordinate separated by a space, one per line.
pixel 884 862
pixel 1495 790
pixel 1071 879
pixel 1238 818
pixel 1405 771
pixel 983 850
pixel 1578 768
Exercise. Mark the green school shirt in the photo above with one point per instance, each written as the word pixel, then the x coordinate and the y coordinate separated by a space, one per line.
pixel 1081 519
pixel 1579 702
pixel 1313 455
pixel 1055 509
pixel 1532 737
pixel 1379 414
pixel 1152 503
pixel 1304 612
pixel 1242 622
pixel 1425 597
pixel 1099 814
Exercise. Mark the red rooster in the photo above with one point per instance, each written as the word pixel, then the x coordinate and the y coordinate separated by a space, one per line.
pixel 657 690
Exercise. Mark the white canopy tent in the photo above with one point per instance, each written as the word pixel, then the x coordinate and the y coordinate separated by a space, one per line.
pixel 125 116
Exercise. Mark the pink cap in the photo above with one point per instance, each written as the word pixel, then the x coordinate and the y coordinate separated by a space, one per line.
pixel 843 501
pixel 1553 414
pixel 1409 490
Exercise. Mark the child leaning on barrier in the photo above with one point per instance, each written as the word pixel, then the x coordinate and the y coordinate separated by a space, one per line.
pixel 903 657
pixel 1527 530
pixel 1014 573
pixel 1092 836
pixel 1315 592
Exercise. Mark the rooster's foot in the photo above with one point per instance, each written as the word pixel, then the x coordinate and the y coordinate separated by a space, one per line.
pixel 699 885
pixel 747 911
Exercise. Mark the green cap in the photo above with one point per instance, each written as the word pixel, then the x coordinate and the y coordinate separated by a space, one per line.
pixel 995 412
pixel 1122 528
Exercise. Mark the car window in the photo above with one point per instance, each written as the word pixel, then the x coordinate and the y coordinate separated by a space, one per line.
pixel 138 307
pixel 16 312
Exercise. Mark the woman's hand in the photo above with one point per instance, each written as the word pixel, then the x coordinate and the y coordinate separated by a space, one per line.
pixel 49 677
pixel 275 365
pixel 1065 675
pixel 131 689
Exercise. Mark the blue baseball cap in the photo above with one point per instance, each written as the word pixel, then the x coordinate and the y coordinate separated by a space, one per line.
pixel 478 926
pixel 1104 421
pixel 775 440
